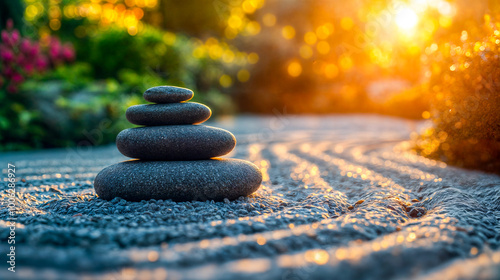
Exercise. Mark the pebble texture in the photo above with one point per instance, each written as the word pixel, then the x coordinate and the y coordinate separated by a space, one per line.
pixel 175 142
pixel 202 180
pixel 336 201
pixel 168 114
pixel 167 94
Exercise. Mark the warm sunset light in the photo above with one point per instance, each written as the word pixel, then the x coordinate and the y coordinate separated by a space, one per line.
pixel 406 19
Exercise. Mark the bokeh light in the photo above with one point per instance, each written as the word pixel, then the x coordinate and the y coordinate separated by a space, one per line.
pixel 406 19
pixel 294 69
pixel 288 32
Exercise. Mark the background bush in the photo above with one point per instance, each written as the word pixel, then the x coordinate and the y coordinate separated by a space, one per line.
pixel 466 103
pixel 57 103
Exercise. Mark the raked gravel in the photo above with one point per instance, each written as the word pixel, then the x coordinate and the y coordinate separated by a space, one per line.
pixel 342 198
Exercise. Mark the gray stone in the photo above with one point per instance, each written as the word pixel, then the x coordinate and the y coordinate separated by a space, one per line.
pixel 214 179
pixel 167 94
pixel 168 114
pixel 175 142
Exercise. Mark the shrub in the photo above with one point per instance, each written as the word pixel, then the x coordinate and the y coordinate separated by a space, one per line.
pixel 45 102
pixel 21 126
pixel 56 111
pixel 466 104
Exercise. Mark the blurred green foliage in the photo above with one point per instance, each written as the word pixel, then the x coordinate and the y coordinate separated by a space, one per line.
pixel 62 106
pixel 59 108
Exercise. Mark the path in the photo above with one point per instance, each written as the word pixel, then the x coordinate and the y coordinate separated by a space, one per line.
pixel 342 198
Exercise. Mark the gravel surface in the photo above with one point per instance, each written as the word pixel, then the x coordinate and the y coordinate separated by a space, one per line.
pixel 342 198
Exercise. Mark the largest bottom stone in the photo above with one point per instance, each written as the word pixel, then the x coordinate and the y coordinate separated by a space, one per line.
pixel 214 179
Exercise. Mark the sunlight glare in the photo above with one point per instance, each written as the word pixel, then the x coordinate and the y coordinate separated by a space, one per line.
pixel 406 19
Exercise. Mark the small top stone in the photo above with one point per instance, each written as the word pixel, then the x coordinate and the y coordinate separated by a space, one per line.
pixel 168 94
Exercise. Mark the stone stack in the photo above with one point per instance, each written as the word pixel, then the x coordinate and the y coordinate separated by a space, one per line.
pixel 175 156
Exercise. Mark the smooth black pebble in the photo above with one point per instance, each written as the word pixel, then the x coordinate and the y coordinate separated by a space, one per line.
pixel 202 180
pixel 175 142
pixel 168 94
pixel 168 114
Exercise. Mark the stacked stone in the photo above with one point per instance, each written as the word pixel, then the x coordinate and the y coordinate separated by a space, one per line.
pixel 175 156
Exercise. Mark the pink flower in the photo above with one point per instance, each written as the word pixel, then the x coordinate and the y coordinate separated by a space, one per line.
pixel 29 68
pixel 54 43
pixel 17 78
pixel 54 50
pixel 21 59
pixel 41 63
pixel 35 49
pixel 68 53
pixel 25 46
pixel 7 55
pixel 15 36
